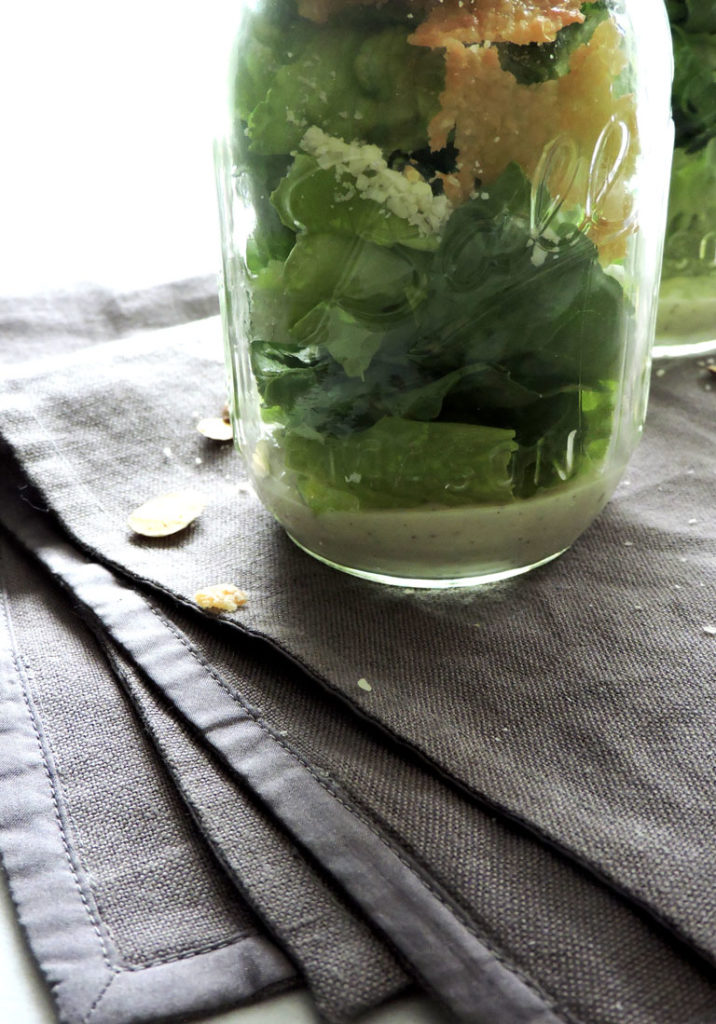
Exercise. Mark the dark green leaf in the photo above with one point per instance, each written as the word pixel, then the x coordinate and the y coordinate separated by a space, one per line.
pixel 539 62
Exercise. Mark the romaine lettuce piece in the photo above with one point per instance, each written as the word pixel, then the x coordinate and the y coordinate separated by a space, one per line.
pixel 270 36
pixel 379 285
pixel 256 177
pixel 492 331
pixel 268 311
pixel 399 463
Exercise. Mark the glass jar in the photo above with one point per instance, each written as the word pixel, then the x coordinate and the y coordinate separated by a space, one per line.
pixel 442 232
pixel 686 322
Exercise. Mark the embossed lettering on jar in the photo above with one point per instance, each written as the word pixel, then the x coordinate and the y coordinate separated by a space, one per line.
pixel 442 230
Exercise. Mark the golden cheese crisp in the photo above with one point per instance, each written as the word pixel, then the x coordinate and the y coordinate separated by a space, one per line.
pixel 514 122
pixel 497 21
pixel 166 514
pixel 221 597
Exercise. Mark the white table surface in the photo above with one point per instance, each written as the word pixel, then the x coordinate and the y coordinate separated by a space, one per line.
pixel 107 179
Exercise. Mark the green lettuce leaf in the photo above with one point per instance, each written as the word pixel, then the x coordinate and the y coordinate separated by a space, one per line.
pixel 270 36
pixel 693 15
pixel 350 343
pixel 256 177
pixel 692 213
pixel 378 285
pixel 339 81
pixel 399 463
pixel 315 199
pixel 694 88
pixel 268 309
pixel 495 330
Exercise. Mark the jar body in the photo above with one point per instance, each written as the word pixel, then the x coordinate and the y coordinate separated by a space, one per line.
pixel 686 322
pixel 442 228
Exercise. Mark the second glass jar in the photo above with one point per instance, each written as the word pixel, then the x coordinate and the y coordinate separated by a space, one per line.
pixel 687 305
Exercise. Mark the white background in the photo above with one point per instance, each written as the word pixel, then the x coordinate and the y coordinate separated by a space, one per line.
pixel 107 115
pixel 106 126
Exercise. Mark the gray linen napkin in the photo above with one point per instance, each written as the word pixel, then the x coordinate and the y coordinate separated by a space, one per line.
pixel 135 887
pixel 549 733
pixel 72 319
pixel 430 933
pixel 505 878
pixel 576 700
pixel 105 864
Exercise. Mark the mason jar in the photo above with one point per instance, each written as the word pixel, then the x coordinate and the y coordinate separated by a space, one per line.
pixel 686 323
pixel 442 234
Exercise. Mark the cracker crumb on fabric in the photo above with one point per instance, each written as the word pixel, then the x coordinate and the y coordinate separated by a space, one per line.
pixel 221 597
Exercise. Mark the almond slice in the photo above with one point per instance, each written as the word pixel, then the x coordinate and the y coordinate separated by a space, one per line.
pixel 166 514
pixel 215 428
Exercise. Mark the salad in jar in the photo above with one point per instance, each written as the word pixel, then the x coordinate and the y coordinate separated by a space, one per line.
pixel 438 287
pixel 687 302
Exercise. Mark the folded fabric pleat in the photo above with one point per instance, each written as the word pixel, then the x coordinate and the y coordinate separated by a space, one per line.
pixel 408 908
pixel 124 906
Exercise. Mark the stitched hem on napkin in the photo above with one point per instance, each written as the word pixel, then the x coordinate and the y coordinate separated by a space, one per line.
pixel 65 930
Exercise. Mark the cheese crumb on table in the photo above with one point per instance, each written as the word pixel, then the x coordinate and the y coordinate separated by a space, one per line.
pixel 222 597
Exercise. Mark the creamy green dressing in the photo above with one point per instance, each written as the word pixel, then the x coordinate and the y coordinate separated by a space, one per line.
pixel 432 543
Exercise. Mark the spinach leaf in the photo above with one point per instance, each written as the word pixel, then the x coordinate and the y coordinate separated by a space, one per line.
pixel 539 62
pixel 549 316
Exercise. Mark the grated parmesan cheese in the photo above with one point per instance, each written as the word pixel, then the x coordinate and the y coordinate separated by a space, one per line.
pixel 407 196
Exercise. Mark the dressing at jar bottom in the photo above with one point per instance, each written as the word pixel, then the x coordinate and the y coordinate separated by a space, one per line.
pixel 443 547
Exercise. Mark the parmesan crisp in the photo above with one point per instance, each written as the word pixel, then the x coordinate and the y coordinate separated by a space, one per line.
pixel 497 21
